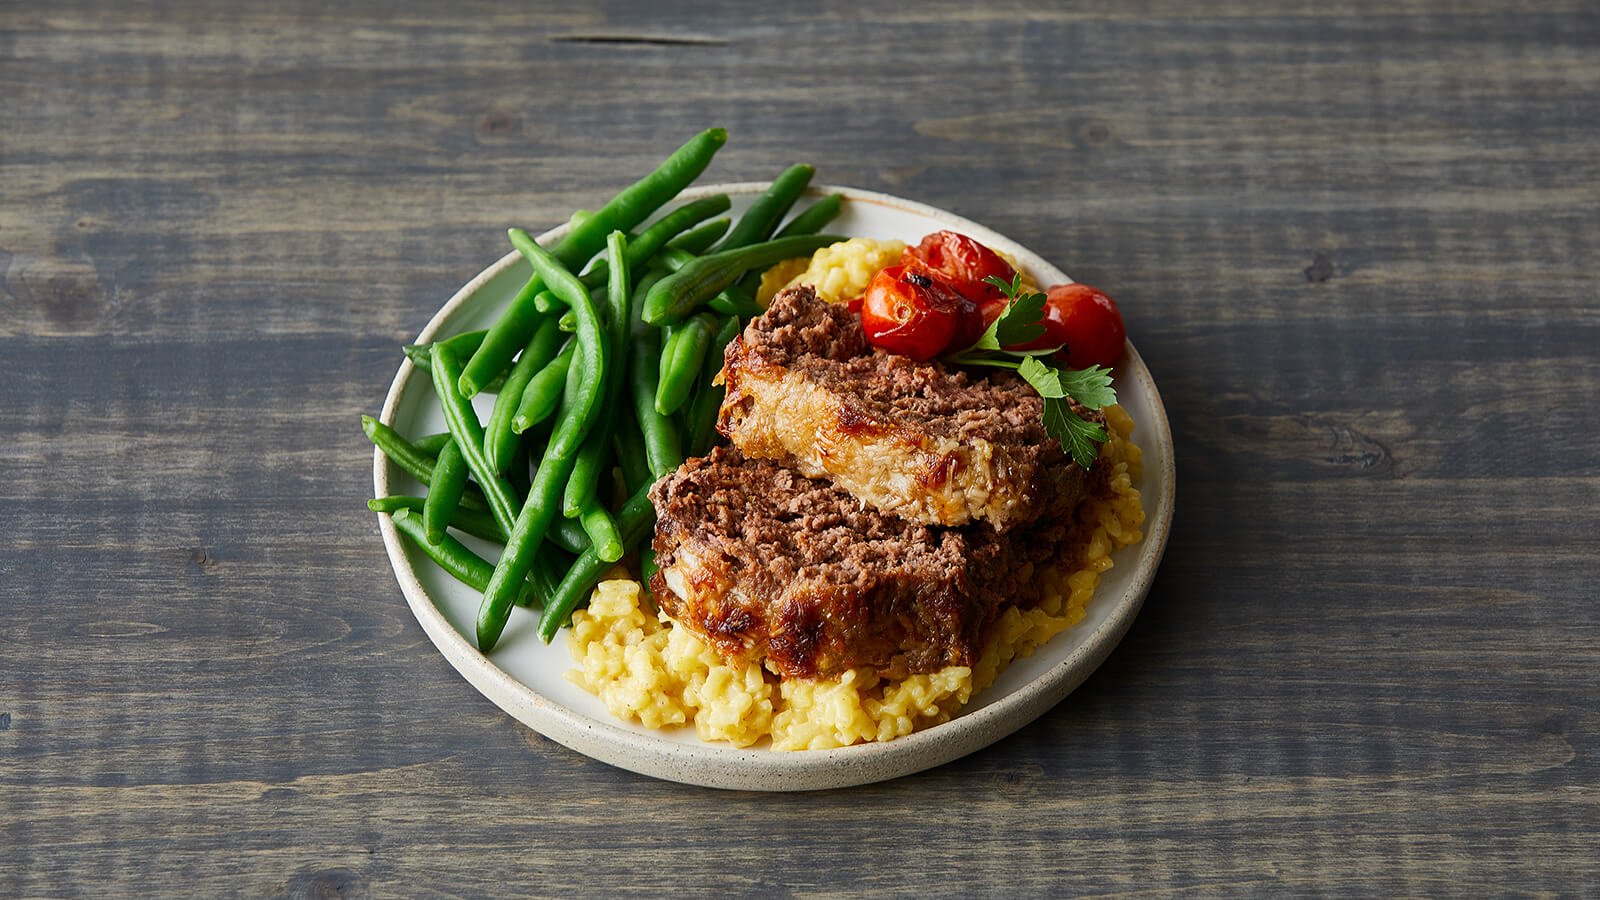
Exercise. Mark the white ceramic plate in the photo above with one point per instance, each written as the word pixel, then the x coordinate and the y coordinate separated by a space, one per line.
pixel 524 677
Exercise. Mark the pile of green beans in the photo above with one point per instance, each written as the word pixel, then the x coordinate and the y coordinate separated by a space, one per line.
pixel 603 368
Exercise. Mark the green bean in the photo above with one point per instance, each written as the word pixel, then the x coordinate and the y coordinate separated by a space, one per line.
pixel 499 438
pixel 677 295
pixel 547 302
pixel 405 454
pixel 464 344
pixel 815 217
pixel 569 322
pixel 475 522
pixel 585 238
pixel 647 568
pixel 444 493
pixel 685 249
pixel 543 392
pixel 670 335
pixel 627 444
pixel 757 224
pixel 678 223
pixel 528 531
pixel 735 301
pixel 494 385
pixel 658 434
pixel 522 546
pixel 592 455
pixel 680 362
pixel 810 221
pixel 707 400
pixel 645 244
pixel 602 531
pixel 400 451
pixel 575 380
pixel 591 340
pixel 506 336
pixel 637 201
pixel 673 258
pixel 633 523
pixel 518 476
pixel 419 356
pixel 468 434
pixel 764 214
pixel 568 534
pixel 680 419
pixel 431 444
pixel 545 574
pixel 661 442
pixel 731 301
pixel 700 238
pixel 453 556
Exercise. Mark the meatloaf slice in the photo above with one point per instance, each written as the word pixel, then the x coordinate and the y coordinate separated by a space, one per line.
pixel 764 563
pixel 913 439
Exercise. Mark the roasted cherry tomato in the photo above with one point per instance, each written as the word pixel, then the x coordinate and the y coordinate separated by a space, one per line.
pixel 908 312
pixel 961 262
pixel 1082 318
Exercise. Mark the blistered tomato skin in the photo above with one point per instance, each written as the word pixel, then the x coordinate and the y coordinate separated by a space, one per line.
pixel 961 262
pixel 970 322
pixel 905 311
pixel 1087 322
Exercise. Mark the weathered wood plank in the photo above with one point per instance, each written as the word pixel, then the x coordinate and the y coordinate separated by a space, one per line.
pixel 1355 241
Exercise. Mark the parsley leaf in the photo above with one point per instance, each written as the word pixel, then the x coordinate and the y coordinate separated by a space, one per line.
pixel 1020 323
pixel 1090 387
pixel 1078 437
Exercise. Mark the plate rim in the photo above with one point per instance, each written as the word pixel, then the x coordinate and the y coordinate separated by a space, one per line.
pixel 727 767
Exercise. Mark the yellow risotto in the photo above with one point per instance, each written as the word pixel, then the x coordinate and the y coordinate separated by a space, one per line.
pixel 840 272
pixel 645 669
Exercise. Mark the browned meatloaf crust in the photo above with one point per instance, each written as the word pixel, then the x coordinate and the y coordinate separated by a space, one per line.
pixel 765 563
pixel 916 440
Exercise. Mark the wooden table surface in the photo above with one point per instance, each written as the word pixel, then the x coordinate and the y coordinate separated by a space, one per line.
pixel 1357 243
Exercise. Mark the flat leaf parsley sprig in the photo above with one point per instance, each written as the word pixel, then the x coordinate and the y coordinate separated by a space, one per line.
pixel 1091 387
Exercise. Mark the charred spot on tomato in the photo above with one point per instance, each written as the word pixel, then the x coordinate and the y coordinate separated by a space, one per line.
pixel 961 262
pixel 919 279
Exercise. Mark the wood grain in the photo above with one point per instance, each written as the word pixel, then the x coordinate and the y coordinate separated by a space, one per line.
pixel 1357 243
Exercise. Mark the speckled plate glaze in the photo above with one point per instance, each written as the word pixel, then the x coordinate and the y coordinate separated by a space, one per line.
pixel 525 677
